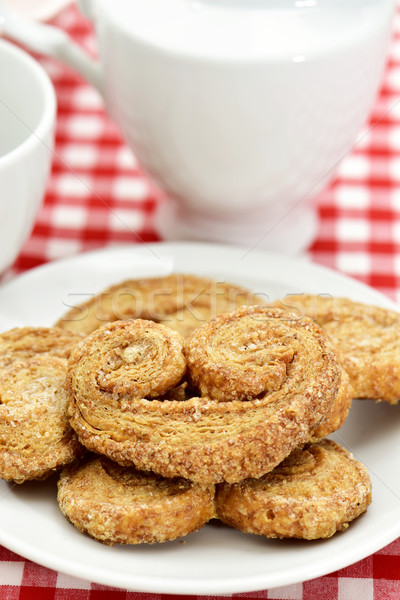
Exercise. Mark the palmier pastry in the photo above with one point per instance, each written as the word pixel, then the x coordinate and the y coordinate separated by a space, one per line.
pixel 22 343
pixel 266 379
pixel 367 340
pixel 182 302
pixel 337 415
pixel 313 493
pixel 115 504
pixel 35 435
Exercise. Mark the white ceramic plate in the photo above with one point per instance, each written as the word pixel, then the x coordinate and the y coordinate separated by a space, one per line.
pixel 215 560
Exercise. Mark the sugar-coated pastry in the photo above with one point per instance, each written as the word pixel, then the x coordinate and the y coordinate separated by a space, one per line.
pixel 35 435
pixel 115 504
pixel 337 415
pixel 21 343
pixel 366 337
pixel 266 380
pixel 182 302
pixel 313 493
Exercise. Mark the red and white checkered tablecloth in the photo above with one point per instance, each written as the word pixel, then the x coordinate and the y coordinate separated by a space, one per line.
pixel 97 195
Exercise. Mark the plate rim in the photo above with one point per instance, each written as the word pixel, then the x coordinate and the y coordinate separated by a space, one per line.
pixel 305 260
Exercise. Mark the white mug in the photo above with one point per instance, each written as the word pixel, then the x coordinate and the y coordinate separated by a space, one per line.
pixel 27 119
pixel 240 110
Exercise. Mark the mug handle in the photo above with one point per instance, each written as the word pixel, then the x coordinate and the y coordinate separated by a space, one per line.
pixel 51 41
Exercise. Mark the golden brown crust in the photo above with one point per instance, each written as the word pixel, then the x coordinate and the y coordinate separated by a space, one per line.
pixel 181 302
pixel 315 492
pixel 367 339
pixel 251 352
pixel 115 504
pixel 23 343
pixel 129 360
pixel 337 415
pixel 202 438
pixel 35 436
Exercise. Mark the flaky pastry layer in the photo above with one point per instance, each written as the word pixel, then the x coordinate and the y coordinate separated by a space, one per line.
pixel 315 492
pixel 35 435
pixel 366 337
pixel 22 343
pixel 115 504
pixel 291 380
pixel 179 301
pixel 338 413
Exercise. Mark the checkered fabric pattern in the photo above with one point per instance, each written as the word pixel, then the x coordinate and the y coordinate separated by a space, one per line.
pixel 375 578
pixel 359 232
pixel 97 195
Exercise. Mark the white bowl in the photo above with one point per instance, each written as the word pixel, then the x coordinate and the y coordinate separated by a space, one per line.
pixel 27 119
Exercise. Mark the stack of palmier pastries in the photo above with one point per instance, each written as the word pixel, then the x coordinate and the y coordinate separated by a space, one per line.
pixel 181 399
